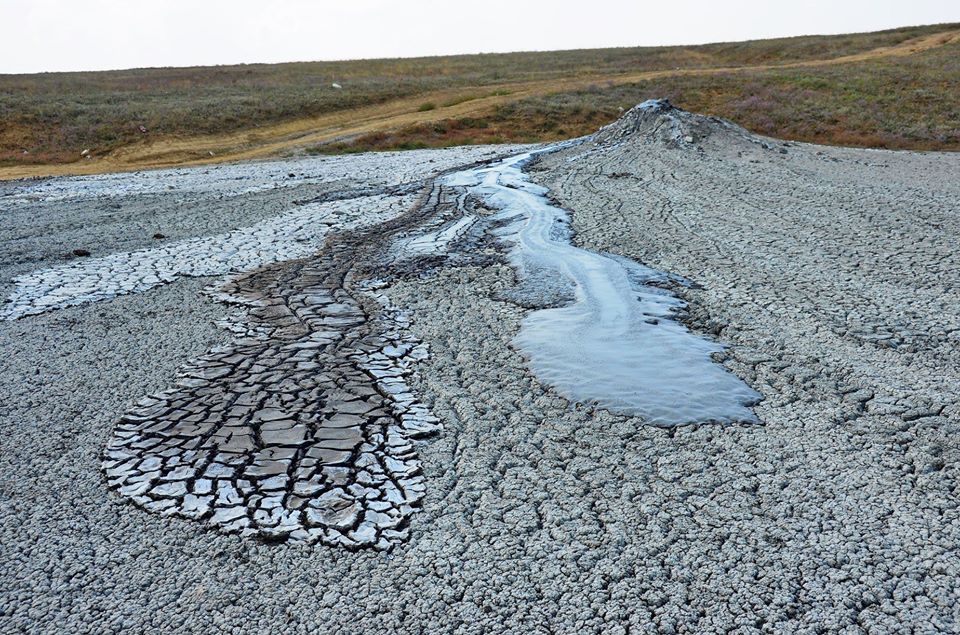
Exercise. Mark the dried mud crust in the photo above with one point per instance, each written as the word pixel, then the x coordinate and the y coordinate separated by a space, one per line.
pixel 302 427
pixel 832 275
pixel 838 515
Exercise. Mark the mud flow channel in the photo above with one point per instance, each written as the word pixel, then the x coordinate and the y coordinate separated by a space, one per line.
pixel 614 339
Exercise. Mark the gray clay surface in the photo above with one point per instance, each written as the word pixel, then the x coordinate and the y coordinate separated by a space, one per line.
pixel 829 276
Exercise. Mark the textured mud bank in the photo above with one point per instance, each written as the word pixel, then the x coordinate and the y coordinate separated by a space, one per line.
pixel 828 276
pixel 302 427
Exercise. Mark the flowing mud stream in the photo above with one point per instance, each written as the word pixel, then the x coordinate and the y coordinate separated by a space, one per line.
pixel 613 341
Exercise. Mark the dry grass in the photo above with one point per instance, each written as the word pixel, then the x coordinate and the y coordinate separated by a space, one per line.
pixel 898 103
pixel 904 102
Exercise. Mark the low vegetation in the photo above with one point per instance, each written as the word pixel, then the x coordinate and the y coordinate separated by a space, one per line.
pixel 897 102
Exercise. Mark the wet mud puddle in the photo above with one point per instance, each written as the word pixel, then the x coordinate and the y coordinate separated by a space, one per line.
pixel 614 339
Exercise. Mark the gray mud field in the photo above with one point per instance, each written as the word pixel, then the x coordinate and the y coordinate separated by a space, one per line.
pixel 302 408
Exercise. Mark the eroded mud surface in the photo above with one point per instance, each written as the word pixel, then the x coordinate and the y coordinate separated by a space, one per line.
pixel 302 427
pixel 828 276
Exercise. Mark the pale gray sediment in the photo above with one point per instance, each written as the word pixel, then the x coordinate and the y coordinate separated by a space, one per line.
pixel 141 229
pixel 829 273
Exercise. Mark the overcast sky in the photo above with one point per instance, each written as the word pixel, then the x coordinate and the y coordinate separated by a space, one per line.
pixel 59 35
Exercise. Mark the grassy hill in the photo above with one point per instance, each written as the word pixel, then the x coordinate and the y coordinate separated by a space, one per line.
pixel 895 89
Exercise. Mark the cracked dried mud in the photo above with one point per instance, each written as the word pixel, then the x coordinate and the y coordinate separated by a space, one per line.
pixel 312 391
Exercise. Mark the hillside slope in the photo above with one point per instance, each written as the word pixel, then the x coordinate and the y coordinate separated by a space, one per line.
pixel 892 89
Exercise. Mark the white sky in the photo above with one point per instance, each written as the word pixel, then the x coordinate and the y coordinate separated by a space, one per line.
pixel 60 35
